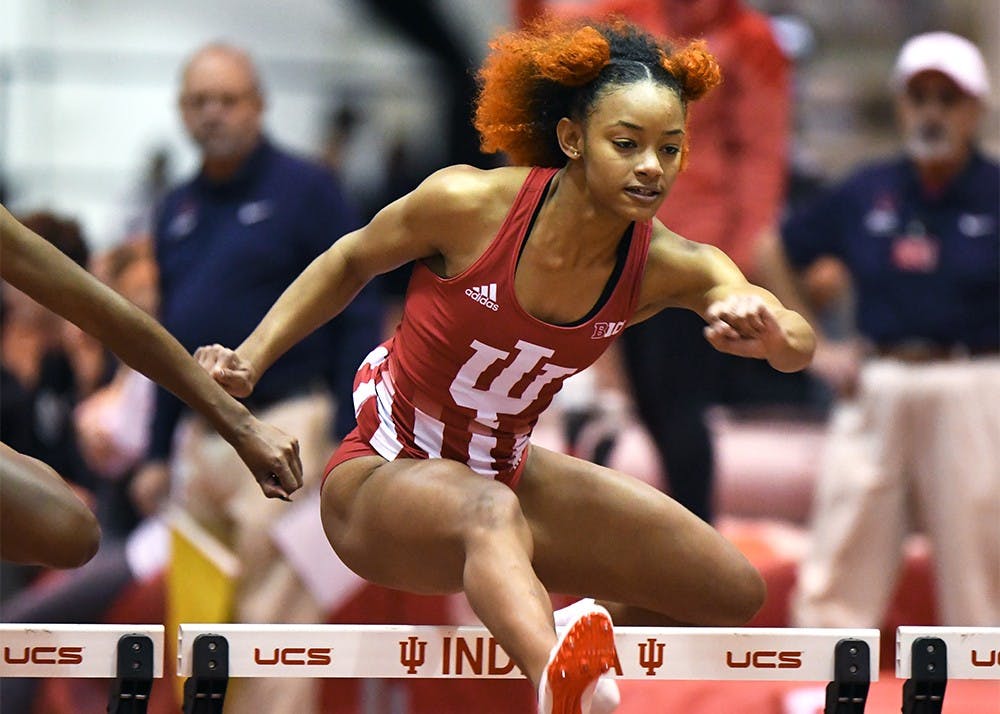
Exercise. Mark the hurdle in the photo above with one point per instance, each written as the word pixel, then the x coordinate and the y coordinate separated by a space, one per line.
pixel 927 657
pixel 210 654
pixel 130 655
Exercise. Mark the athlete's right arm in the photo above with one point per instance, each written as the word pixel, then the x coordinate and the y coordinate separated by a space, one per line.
pixel 415 226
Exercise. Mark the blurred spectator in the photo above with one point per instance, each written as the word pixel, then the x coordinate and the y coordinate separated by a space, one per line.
pixel 340 130
pixel 913 441
pixel 142 200
pixel 113 423
pixel 41 520
pixel 228 242
pixel 738 139
pixel 424 23
pixel 48 365
pixel 112 427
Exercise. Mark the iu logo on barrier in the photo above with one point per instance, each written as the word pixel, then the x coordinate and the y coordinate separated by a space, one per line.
pixel 765 659
pixel 411 653
pixel 44 655
pixel 651 656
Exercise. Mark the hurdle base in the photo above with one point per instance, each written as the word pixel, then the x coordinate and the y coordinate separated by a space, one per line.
pixel 848 692
pixel 205 689
pixel 130 690
pixel 923 692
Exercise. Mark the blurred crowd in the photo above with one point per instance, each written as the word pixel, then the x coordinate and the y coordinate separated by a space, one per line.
pixel 208 253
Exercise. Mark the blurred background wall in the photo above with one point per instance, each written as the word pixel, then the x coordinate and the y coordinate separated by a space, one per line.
pixel 88 124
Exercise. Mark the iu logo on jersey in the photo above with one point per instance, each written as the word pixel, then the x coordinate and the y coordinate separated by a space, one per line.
pixel 498 397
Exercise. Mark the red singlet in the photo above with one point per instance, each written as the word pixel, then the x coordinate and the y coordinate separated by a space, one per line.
pixel 468 371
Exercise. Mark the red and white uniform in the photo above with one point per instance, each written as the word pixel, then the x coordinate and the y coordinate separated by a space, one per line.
pixel 468 371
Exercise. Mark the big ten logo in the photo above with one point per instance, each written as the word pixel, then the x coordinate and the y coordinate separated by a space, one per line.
pixel 765 659
pixel 607 329
pixel 411 654
pixel 985 658
pixel 483 656
pixel 316 656
pixel 43 655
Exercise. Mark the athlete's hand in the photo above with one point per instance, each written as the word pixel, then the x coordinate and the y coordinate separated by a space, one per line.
pixel 232 372
pixel 744 325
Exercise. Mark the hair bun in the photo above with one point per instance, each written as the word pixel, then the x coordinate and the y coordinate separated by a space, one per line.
pixel 574 58
pixel 695 69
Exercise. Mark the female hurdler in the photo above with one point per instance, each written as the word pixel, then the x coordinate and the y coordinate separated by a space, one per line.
pixel 524 276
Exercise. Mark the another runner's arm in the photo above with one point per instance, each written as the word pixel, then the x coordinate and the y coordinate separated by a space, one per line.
pixel 31 264
pixel 37 268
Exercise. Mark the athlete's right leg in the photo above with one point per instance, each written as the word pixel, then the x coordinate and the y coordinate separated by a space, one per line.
pixel 42 521
pixel 434 526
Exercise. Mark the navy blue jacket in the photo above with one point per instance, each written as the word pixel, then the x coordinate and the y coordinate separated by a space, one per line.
pixel 925 267
pixel 226 252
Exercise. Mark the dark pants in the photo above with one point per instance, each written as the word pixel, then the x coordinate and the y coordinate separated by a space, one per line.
pixel 676 375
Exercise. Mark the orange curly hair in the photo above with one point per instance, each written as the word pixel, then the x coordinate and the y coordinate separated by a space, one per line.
pixel 553 69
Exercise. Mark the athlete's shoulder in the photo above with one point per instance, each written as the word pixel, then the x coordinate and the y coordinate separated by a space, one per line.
pixel 671 255
pixel 458 197
pixel 462 187
pixel 666 246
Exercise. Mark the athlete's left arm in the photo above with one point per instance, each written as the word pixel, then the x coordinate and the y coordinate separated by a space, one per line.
pixel 743 319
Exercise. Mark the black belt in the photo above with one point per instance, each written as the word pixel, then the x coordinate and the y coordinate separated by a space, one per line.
pixel 920 352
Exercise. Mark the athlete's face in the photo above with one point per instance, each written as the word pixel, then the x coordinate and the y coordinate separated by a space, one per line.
pixel 632 143
pixel 938 119
pixel 221 105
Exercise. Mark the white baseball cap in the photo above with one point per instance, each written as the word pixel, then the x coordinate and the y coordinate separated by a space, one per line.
pixel 943 52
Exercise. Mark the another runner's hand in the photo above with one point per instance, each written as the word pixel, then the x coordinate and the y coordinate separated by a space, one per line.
pixel 272 456
pixel 235 374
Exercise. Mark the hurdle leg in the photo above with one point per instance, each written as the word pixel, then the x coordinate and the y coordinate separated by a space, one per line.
pixel 205 689
pixel 927 657
pixel 923 692
pixel 130 689
pixel 848 692
pixel 129 655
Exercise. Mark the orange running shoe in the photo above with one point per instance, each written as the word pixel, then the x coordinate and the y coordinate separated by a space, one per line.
pixel 584 652
pixel 605 697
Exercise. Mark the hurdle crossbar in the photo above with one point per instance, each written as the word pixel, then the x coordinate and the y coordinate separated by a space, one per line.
pixel 971 652
pixel 400 651
pixel 89 651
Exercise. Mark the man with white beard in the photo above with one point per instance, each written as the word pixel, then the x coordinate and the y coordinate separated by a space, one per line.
pixel 913 441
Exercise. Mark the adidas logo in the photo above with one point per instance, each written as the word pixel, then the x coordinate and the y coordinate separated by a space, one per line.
pixel 485 295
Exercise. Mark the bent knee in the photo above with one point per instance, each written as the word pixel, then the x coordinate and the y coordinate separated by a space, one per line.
pixel 80 542
pixel 490 508
pixel 746 593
